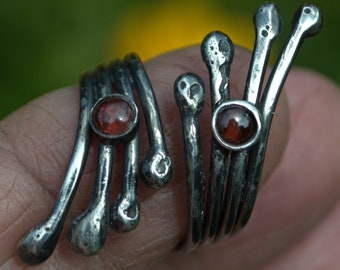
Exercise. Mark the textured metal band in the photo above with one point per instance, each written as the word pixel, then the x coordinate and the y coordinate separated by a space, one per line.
pixel 240 133
pixel 39 243
pixel 236 166
pixel 89 231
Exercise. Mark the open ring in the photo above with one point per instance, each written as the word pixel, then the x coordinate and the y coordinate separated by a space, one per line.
pixel 240 133
pixel 108 110
pixel 240 127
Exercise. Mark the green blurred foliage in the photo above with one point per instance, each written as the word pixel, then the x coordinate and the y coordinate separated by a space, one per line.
pixel 47 44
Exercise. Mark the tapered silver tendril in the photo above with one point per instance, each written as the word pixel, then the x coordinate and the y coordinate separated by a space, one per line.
pixel 267 23
pixel 39 243
pixel 89 231
pixel 240 127
pixel 125 212
pixel 217 52
pixel 107 107
pixel 240 130
pixel 189 94
pixel 307 22
pixel 157 165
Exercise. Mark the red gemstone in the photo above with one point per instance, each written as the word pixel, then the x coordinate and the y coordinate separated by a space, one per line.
pixel 113 116
pixel 235 125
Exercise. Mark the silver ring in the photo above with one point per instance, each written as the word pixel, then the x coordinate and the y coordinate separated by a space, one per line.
pixel 240 133
pixel 240 127
pixel 107 109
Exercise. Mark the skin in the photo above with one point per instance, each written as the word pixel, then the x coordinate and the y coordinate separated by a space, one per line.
pixel 296 220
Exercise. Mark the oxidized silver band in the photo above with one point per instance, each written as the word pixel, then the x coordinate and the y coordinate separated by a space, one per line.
pixel 240 133
pixel 240 127
pixel 108 109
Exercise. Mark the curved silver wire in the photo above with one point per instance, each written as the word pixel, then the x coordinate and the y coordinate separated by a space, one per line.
pixel 267 22
pixel 125 212
pixel 235 172
pixel 189 94
pixel 307 22
pixel 89 230
pixel 217 52
pixel 39 243
pixel 157 165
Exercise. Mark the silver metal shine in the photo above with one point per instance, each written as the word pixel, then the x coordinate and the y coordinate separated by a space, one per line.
pixel 268 25
pixel 89 231
pixel 267 22
pixel 39 243
pixel 235 173
pixel 217 52
pixel 307 22
pixel 189 94
pixel 125 211
pixel 157 165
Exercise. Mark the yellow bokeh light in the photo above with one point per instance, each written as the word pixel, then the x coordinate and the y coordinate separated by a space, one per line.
pixel 160 27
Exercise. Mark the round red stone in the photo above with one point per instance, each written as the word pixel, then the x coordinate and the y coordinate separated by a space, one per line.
pixel 113 116
pixel 235 125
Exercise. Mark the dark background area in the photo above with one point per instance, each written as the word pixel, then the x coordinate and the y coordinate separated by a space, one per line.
pixel 47 44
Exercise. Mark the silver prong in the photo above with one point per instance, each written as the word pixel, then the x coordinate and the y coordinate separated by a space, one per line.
pixel 189 94
pixel 268 25
pixel 267 22
pixel 307 22
pixel 125 212
pixel 89 231
pixel 217 52
pixel 157 165
pixel 40 242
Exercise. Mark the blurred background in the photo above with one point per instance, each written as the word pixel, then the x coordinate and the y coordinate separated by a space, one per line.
pixel 47 44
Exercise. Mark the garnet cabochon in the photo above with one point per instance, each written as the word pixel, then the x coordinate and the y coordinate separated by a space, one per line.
pixel 235 125
pixel 113 116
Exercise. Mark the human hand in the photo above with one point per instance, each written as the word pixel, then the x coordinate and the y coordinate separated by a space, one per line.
pixel 295 223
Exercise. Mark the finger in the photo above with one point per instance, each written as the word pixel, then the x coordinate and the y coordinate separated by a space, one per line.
pixel 40 138
pixel 314 184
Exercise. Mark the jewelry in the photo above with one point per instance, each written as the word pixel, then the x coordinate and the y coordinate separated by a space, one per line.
pixel 240 133
pixel 113 117
pixel 240 127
